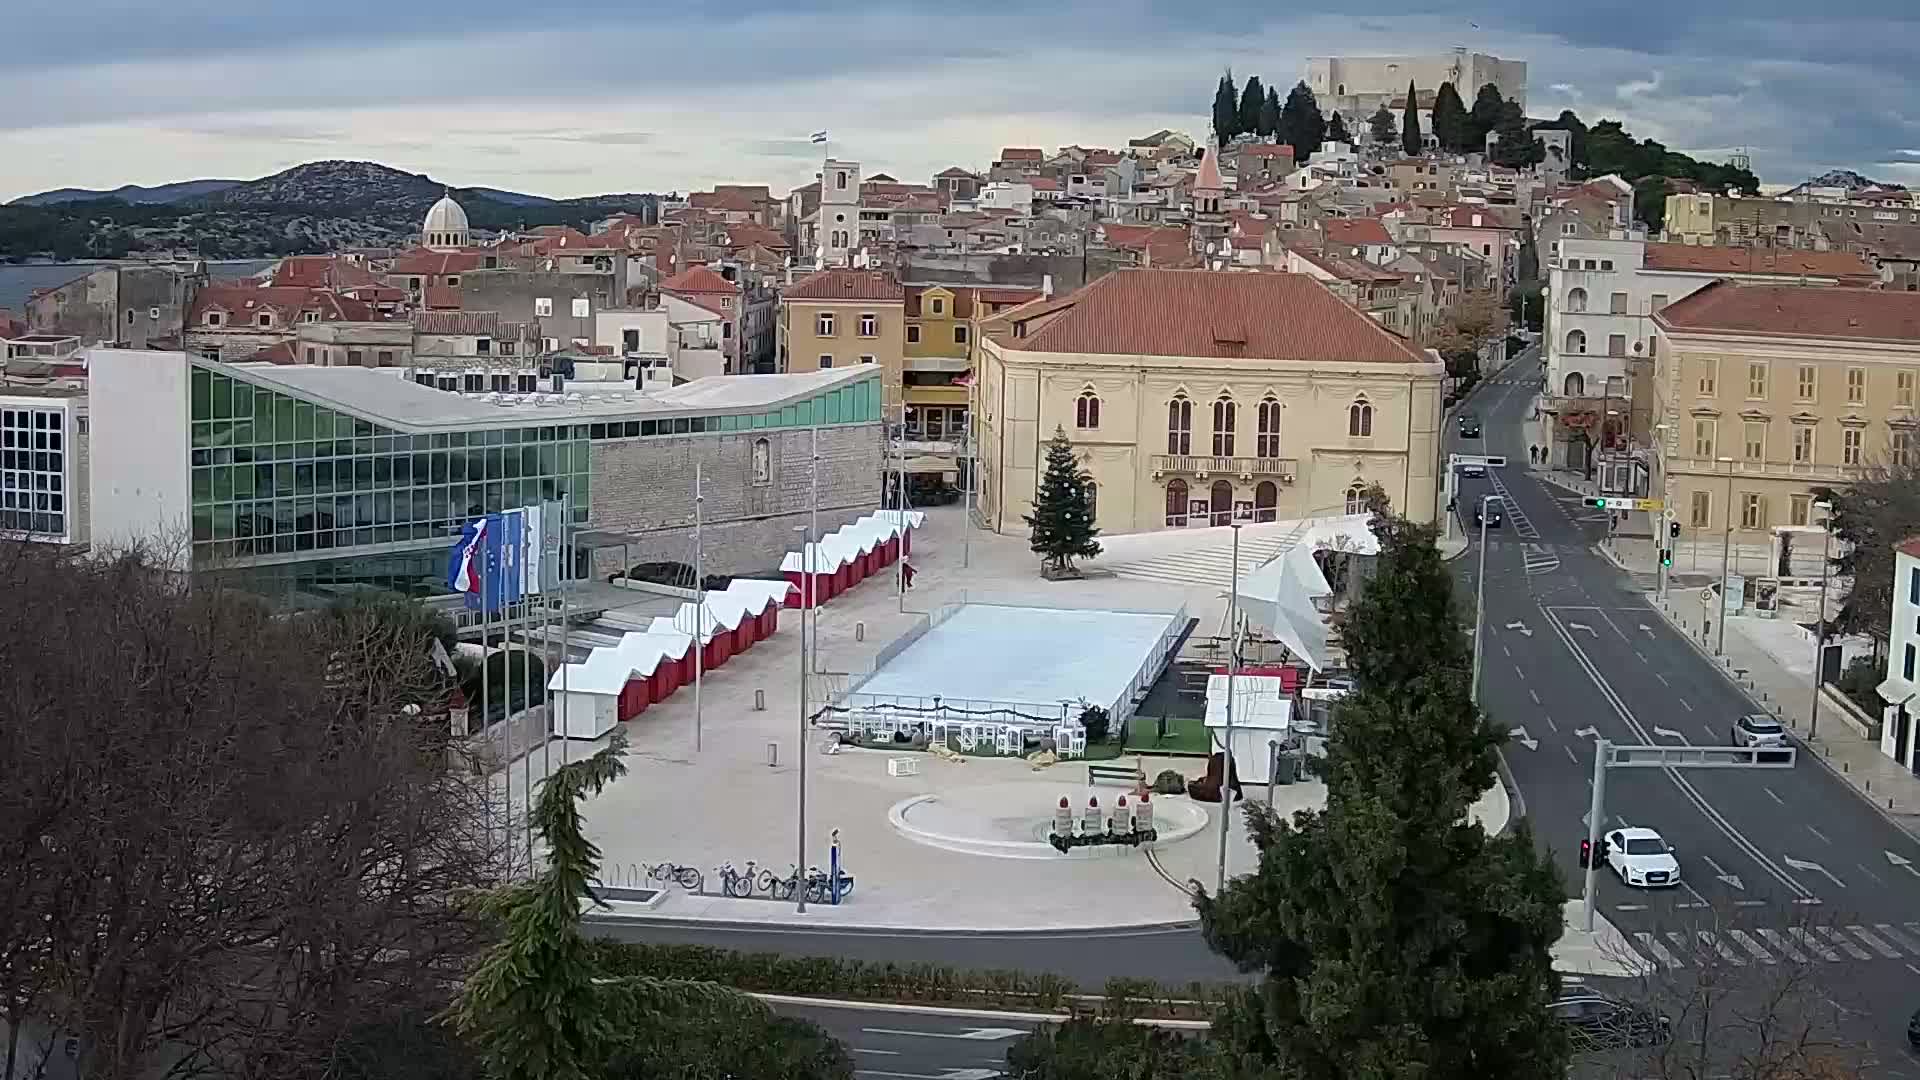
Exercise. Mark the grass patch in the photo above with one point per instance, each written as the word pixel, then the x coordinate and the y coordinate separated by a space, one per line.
pixel 1186 737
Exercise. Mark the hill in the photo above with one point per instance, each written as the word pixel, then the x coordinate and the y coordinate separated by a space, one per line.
pixel 132 194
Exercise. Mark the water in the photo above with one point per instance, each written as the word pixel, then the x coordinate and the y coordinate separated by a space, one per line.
pixel 18 282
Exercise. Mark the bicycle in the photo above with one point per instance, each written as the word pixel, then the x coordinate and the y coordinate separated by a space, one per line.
pixel 819 886
pixel 767 882
pixel 738 884
pixel 687 877
pixel 782 888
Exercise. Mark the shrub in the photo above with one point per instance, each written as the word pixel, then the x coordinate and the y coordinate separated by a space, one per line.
pixel 1858 682
pixel 1095 720
pixel 1170 782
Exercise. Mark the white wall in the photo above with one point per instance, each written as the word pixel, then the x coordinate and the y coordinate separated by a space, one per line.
pixel 140 449
pixel 1635 325
pixel 584 715
pixel 610 325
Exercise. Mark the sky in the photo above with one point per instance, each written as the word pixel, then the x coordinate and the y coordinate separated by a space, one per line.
pixel 579 97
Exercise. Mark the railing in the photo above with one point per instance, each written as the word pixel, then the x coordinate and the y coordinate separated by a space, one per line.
pixel 1806 470
pixel 1285 468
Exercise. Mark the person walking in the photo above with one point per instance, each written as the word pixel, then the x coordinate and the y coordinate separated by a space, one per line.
pixel 1533 454
pixel 906 574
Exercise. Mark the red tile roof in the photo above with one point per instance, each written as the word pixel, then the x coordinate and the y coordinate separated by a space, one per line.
pixel 280 352
pixel 435 263
pixel 457 323
pixel 1909 546
pixel 846 285
pixel 1799 311
pixel 1022 153
pixel 1347 269
pixel 1044 183
pixel 747 234
pixel 954 171
pixel 699 281
pixel 1478 217
pixel 1104 157
pixel 735 201
pixel 321 272
pixel 1201 313
pixel 1267 150
pixel 1705 259
pixel 1356 232
pixel 442 297
pixel 287 303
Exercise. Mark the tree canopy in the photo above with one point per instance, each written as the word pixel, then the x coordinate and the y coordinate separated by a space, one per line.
pixel 1381 126
pixel 1270 113
pixel 1301 125
pixel 1450 122
pixel 1411 141
pixel 1337 130
pixel 1062 520
pixel 1226 110
pixel 1871 515
pixel 1253 97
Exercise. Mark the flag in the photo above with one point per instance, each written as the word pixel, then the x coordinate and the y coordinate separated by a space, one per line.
pixel 553 524
pixel 819 136
pixel 465 566
pixel 533 543
pixel 509 575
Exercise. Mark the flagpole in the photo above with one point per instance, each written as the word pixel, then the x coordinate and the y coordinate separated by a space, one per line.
pixel 546 640
pixel 566 596
pixel 526 680
pixel 486 692
pixel 807 612
pixel 700 608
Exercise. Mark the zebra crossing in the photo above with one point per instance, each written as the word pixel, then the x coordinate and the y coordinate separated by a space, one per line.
pixel 1540 558
pixel 1739 947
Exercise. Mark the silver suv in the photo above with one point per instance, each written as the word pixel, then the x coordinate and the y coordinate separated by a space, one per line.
pixel 1758 729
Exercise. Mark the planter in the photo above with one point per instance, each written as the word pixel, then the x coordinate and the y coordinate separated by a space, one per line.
pixel 1867 727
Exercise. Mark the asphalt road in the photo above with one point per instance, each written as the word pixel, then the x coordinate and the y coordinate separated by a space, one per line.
pixel 916 1045
pixel 1781 868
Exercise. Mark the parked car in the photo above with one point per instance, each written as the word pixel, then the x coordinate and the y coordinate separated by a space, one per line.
pixel 1758 729
pixel 1640 857
pixel 1490 511
pixel 1597 1022
pixel 1913 1031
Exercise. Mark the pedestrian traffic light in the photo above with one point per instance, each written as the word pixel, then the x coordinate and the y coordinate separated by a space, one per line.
pixel 1666 556
pixel 1673 529
pixel 1586 853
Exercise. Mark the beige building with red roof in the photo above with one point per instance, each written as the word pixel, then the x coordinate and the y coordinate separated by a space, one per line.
pixel 1194 396
pixel 845 318
pixel 1768 391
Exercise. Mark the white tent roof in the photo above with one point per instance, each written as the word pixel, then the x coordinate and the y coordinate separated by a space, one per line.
pixel 1279 595
pixel 668 629
pixel 758 594
pixel 1258 702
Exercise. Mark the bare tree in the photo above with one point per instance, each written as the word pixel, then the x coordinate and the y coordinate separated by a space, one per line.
pixel 233 834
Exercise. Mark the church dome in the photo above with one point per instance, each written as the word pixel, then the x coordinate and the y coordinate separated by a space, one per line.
pixel 446 224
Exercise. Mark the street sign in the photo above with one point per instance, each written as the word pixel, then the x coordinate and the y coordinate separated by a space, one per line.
pixel 1701 757
pixel 1618 502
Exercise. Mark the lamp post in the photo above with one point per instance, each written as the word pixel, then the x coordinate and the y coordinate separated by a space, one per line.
pixel 1480 599
pixel 806 605
pixel 1820 619
pixel 1233 664
pixel 1664 541
pixel 1726 556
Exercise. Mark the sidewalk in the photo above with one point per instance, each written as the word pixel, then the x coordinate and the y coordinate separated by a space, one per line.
pixel 1787 694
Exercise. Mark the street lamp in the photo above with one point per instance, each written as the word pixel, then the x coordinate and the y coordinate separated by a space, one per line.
pixel 1664 541
pixel 1233 663
pixel 806 606
pixel 1726 554
pixel 1480 599
pixel 1820 619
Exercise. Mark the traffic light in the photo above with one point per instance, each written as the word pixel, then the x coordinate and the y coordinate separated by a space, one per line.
pixel 1666 556
pixel 1673 529
pixel 1595 502
pixel 1586 853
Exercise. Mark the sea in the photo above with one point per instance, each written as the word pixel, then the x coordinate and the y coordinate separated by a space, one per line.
pixel 18 281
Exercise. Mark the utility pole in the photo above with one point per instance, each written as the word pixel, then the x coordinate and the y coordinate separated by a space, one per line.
pixel 1233 666
pixel 1480 599
pixel 1594 822
pixel 1726 555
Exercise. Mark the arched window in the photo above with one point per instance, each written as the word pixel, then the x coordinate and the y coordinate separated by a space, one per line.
pixel 1176 502
pixel 1093 501
pixel 1180 426
pixel 1576 341
pixel 1577 300
pixel 1220 503
pixel 1356 498
pixel 1266 498
pixel 1360 419
pixel 1266 441
pixel 1576 384
pixel 1086 410
pixel 1224 414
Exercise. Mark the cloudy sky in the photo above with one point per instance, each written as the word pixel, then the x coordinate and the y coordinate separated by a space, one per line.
pixel 575 97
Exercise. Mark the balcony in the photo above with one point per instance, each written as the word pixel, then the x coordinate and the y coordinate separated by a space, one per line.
pixel 1771 470
pixel 1246 468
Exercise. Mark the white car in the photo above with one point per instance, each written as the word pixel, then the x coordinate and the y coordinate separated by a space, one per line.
pixel 1758 729
pixel 1473 468
pixel 1639 857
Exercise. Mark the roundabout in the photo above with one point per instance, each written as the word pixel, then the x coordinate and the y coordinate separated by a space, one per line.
pixel 1014 820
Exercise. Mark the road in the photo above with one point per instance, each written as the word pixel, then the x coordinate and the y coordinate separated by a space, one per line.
pixel 916 1045
pixel 1778 865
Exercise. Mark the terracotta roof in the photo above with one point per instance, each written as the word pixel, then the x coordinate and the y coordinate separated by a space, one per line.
pixel 846 285
pixel 1899 243
pixel 1209 176
pixel 457 323
pixel 1103 157
pixel 736 201
pixel 321 272
pixel 1910 546
pixel 1138 237
pixel 748 234
pixel 288 304
pixel 1355 232
pixel 1705 259
pixel 1801 311
pixel 1044 183
pixel 442 297
pixel 1267 150
pixel 435 263
pixel 699 281
pixel 1347 269
pixel 1022 153
pixel 1202 313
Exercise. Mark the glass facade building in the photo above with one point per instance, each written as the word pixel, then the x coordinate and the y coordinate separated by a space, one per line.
pixel 34 470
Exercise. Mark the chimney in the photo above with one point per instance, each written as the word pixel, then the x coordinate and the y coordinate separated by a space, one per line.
pixel 1046 286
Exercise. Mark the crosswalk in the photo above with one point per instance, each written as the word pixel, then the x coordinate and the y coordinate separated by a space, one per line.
pixel 1739 947
pixel 1540 558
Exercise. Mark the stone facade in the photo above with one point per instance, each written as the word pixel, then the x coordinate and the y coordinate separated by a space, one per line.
pixel 133 307
pixel 645 487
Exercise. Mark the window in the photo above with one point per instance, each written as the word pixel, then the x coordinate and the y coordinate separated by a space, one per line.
pixel 1700 510
pixel 1606 264
pixel 869 324
pixel 1576 341
pixel 1568 228
pixel 213 318
pixel 840 180
pixel 1179 426
pixel 1266 441
pixel 1900 448
pixel 959 335
pixel 1703 438
pixel 866 358
pixel 484 346
pixel 1577 300
pixel 1757 380
pixel 1756 440
pixel 386 357
pixel 543 307
pixel 1913 587
pixel 1856 385
pixel 1803 444
pixel 762 462
pixel 826 360
pixel 823 324
pixel 1224 414
pixel 1709 377
pixel 1807 384
pixel 1903 388
pixel 1753 510
pixel 1659 301
pixel 1799 508
pixel 1616 344
pixel 1360 419
pixel 1906 664
pixel 1086 411
pixel 1176 502
pixel 309 354
pixel 913 335
pixel 938 305
pixel 1093 501
pixel 726 331
pixel 1617 304
pixel 1356 498
pixel 1850 441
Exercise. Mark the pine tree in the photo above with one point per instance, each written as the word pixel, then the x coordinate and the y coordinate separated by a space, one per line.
pixel 1062 520
pixel 1381 127
pixel 1226 110
pixel 1396 938
pixel 1485 114
pixel 1410 140
pixel 1337 130
pixel 1516 148
pixel 1301 125
pixel 1450 119
pixel 1252 97
pixel 1270 113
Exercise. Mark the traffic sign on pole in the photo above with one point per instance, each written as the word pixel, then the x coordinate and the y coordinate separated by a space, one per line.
pixel 1617 502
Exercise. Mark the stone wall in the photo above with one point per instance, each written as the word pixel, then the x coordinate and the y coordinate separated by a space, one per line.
pixel 645 487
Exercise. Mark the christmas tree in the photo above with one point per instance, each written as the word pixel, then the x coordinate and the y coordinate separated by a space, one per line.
pixel 1062 519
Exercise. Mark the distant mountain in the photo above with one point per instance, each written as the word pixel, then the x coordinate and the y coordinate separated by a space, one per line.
pixel 512 198
pixel 1848 179
pixel 132 194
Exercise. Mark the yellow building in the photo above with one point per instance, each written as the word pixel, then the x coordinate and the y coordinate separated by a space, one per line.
pixel 840 318
pixel 1765 392
pixel 1194 396
pixel 942 347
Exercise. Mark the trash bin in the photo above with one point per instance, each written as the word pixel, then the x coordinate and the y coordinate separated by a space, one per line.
pixel 1286 767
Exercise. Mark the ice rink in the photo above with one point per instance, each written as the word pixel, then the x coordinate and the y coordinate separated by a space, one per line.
pixel 1038 656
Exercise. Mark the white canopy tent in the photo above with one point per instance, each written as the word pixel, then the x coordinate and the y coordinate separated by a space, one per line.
pixel 1262 714
pixel 1279 595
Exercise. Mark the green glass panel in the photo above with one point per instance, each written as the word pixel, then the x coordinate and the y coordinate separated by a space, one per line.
pixel 202 523
pixel 363 429
pixel 243 481
pixel 223 523
pixel 222 397
pixel 383 471
pixel 263 416
pixel 580 457
pixel 242 433
pixel 222 483
pixel 530 460
pixel 202 394
pixel 303 420
pixel 323 477
pixel 284 409
pixel 242 400
pixel 202 486
pixel 202 435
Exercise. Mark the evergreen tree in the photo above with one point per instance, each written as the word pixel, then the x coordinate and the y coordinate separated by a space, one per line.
pixel 1337 130
pixel 1483 117
pixel 1381 127
pixel 1270 113
pixel 1396 938
pixel 1301 125
pixel 1062 520
pixel 1450 119
pixel 1516 148
pixel 1410 140
pixel 1252 97
pixel 1226 110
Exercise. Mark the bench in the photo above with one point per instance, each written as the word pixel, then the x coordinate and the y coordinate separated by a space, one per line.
pixel 1128 775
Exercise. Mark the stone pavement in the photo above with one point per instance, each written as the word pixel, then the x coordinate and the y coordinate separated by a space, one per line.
pixel 1786 690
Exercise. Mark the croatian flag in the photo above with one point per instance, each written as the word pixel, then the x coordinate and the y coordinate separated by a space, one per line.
pixel 819 136
pixel 466 569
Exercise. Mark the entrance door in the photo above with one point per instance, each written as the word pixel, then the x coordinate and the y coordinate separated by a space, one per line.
pixel 1220 503
pixel 1265 498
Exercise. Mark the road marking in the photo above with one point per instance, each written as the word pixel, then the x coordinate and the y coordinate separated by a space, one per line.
pixel 970 1035
pixel 1680 942
pixel 944 1074
pixel 1659 951
pixel 1875 877
pixel 1772 796
pixel 1820 835
pixel 1721 873
pixel 1683 704
pixel 1517 670
pixel 1813 944
pixel 1752 946
pixel 1904 864
pixel 1642 656
pixel 1534 694
pixel 1570 755
pixel 1669 733
pixel 1840 939
pixel 1507 651
pixel 1583 626
pixel 1521 627
pixel 1874 943
pixel 883 1053
pixel 1662 678
pixel 1782 946
pixel 1802 864
pixel 1898 938
pixel 1629 907
pixel 1520 736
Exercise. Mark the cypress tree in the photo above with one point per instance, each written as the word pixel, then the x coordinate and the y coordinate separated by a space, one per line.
pixel 1301 125
pixel 1270 113
pixel 1337 130
pixel 1226 110
pixel 1450 119
pixel 1252 97
pixel 1410 140
pixel 1487 105
pixel 1381 126
pixel 1061 524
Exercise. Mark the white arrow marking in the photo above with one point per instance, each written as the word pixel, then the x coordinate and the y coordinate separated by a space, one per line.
pixel 1669 733
pixel 971 1034
pixel 945 1074
pixel 1520 626
pixel 1647 628
pixel 1519 735
pixel 1586 732
pixel 1904 864
pixel 1721 873
pixel 1583 626
pixel 1800 864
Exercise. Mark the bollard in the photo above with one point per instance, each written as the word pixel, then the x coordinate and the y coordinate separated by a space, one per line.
pixel 773 755
pixel 1843 767
pixel 759 701
pixel 860 631
pixel 1122 820
pixel 1063 819
pixel 1869 787
pixel 1090 822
